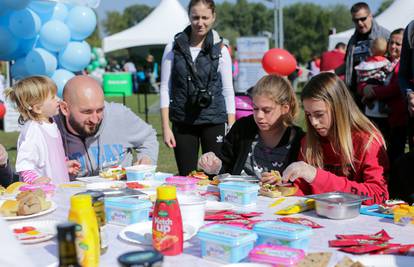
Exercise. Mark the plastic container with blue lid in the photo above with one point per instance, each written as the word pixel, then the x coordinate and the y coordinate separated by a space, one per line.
pixel 239 193
pixel 224 243
pixel 285 234
pixel 125 211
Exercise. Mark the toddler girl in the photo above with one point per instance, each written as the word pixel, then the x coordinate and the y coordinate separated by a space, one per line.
pixel 40 153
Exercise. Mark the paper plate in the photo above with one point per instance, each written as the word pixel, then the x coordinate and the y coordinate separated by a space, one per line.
pixel 141 233
pixel 49 210
pixel 385 260
pixel 212 206
pixel 44 230
pixel 106 185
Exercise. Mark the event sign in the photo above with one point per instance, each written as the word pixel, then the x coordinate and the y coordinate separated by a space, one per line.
pixel 250 51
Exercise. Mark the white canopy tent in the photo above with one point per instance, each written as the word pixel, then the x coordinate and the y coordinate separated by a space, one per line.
pixel 158 28
pixel 398 15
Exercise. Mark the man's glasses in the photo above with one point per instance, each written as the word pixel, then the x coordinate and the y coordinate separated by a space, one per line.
pixel 356 20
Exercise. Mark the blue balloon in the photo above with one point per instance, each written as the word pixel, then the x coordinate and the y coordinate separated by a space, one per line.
pixel 4 16
pixel 76 56
pixel 61 77
pixel 40 62
pixel 81 21
pixel 25 23
pixel 54 35
pixel 27 45
pixel 18 69
pixel 8 43
pixel 49 10
pixel 15 4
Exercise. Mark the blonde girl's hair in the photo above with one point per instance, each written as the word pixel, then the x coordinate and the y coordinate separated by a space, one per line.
pixel 29 92
pixel 279 90
pixel 346 118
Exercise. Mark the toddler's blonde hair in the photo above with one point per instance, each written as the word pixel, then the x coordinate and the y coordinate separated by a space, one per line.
pixel 29 92
pixel 379 46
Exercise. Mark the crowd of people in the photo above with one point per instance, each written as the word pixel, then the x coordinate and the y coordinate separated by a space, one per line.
pixel 357 117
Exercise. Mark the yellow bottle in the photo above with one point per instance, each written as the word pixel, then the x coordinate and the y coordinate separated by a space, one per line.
pixel 87 234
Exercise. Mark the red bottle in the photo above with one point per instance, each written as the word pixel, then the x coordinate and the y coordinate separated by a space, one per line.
pixel 167 225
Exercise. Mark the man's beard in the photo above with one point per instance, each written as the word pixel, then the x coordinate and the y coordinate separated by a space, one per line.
pixel 81 129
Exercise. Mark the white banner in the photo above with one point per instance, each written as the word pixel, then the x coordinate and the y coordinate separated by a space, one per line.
pixel 250 51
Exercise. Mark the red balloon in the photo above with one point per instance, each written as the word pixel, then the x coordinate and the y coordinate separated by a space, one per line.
pixel 2 111
pixel 279 61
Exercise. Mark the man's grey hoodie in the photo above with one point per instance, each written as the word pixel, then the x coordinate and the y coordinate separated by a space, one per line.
pixel 120 132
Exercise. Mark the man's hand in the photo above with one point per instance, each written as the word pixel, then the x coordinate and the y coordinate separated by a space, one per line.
pixel 3 156
pixel 368 92
pixel 144 160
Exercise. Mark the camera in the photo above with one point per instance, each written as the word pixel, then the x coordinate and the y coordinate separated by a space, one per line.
pixel 202 99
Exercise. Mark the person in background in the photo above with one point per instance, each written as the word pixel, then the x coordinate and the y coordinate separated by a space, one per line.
pixel 265 141
pixel 100 134
pixel 357 50
pixel 406 77
pixel 343 150
pixel 151 73
pixel 196 88
pixel 394 128
pixel 6 173
pixel 40 154
pixel 330 60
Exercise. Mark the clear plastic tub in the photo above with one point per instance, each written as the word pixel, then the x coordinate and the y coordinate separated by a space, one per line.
pixel 239 193
pixel 140 172
pixel 285 234
pixel 125 211
pixel 276 255
pixel 183 183
pixel 224 243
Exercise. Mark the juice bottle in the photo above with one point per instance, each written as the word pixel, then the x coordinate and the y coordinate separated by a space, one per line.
pixel 167 225
pixel 87 233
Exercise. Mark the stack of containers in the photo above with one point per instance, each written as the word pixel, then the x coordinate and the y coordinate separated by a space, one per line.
pixel 125 211
pixel 239 193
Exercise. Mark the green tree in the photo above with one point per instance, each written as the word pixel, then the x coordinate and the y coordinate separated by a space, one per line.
pixel 384 5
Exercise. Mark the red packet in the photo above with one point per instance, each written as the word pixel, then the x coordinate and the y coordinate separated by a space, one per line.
pixel 222 216
pixel 301 221
pixel 366 248
pixel 250 214
pixel 407 250
pixel 353 242
pixel 381 235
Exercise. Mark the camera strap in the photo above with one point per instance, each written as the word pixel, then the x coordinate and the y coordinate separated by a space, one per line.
pixel 193 73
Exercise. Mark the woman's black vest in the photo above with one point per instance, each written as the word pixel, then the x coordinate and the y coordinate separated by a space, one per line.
pixel 184 107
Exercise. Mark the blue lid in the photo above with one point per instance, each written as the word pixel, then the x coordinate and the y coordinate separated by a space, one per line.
pixel 226 234
pixel 239 186
pixel 282 230
pixel 127 203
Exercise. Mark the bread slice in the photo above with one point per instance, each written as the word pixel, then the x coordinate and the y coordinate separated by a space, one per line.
pixel 287 190
pixel 270 193
pixel 318 259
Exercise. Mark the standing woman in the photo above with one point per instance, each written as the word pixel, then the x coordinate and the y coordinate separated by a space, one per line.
pixel 196 88
pixel 343 150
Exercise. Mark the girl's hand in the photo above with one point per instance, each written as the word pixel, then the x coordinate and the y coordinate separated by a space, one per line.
pixel 268 178
pixel 297 170
pixel 209 163
pixel 169 139
pixel 73 167
pixel 42 180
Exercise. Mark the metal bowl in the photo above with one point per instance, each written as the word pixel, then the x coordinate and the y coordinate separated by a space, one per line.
pixel 338 205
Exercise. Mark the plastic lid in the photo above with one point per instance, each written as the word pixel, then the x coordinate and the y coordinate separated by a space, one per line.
pixel 276 255
pixel 44 187
pixel 282 230
pixel 181 180
pixel 140 258
pixel 226 235
pixel 81 201
pixel 239 186
pixel 129 203
pixel 166 192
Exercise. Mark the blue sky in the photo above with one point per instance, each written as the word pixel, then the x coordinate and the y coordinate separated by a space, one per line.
pixel 119 5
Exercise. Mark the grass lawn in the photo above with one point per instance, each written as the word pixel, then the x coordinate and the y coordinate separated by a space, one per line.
pixel 166 161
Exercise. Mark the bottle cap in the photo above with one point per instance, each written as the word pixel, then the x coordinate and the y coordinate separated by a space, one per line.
pixel 81 201
pixel 166 192
pixel 140 258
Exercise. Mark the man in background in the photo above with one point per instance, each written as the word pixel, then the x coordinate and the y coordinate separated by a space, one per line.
pixel 330 60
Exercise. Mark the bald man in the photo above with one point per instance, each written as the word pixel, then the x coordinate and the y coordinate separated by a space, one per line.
pixel 100 134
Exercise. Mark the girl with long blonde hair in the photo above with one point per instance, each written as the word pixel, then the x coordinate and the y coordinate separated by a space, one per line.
pixel 343 150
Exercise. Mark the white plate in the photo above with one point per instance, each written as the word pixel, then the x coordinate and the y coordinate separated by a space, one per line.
pixel 49 210
pixel 141 233
pixel 212 206
pixel 47 230
pixel 105 185
pixel 92 179
pixel 385 260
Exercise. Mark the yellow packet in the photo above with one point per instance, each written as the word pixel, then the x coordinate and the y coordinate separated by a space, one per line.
pixel 299 206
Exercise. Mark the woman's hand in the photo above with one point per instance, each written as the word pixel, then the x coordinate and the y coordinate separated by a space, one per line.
pixel 73 167
pixel 297 170
pixel 169 139
pixel 209 163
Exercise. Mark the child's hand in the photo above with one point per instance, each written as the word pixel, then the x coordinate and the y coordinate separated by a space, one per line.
pixel 42 180
pixel 73 167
